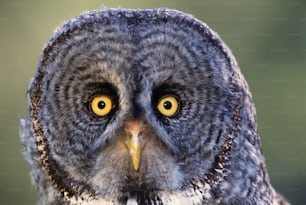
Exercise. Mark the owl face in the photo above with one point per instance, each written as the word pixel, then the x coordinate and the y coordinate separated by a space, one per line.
pixel 136 103
pixel 138 82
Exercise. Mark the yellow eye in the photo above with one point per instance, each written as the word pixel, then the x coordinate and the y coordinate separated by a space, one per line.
pixel 101 105
pixel 168 105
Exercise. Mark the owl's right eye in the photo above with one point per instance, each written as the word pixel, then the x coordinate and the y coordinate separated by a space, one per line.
pixel 168 105
pixel 101 105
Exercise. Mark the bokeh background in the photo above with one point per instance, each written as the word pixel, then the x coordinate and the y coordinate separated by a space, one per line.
pixel 268 39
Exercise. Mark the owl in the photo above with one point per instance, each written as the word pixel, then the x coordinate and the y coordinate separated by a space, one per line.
pixel 141 107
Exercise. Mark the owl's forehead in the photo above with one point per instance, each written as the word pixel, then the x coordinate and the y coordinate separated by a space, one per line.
pixel 137 45
pixel 155 48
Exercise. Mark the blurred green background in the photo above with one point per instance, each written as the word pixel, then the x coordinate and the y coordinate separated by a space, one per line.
pixel 268 39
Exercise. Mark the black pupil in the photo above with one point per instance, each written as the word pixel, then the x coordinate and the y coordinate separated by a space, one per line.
pixel 101 105
pixel 167 105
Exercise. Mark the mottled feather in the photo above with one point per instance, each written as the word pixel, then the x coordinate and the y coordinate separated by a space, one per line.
pixel 207 151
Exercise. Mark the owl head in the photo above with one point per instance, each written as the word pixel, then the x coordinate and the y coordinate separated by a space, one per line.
pixel 147 106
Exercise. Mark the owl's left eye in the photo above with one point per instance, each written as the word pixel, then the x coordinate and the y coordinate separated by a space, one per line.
pixel 101 105
pixel 168 105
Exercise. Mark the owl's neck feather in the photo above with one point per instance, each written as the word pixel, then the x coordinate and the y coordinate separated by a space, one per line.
pixel 166 198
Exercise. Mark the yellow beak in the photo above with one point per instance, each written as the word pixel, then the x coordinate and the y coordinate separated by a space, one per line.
pixel 133 144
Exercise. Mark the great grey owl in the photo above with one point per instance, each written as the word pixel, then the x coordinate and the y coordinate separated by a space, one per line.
pixel 142 107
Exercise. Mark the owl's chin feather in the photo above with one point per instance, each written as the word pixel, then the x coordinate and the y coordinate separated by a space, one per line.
pixel 142 198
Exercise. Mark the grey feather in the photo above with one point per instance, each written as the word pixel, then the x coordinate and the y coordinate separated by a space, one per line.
pixel 208 152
